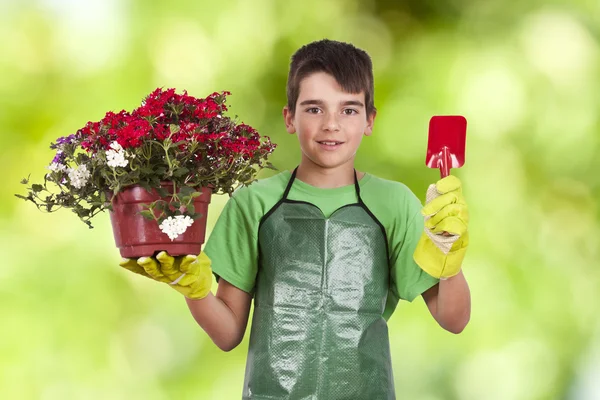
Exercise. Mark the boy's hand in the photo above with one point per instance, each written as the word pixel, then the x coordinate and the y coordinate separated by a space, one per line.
pixel 444 242
pixel 190 275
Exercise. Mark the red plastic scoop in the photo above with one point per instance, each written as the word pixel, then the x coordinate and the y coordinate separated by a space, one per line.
pixel 446 145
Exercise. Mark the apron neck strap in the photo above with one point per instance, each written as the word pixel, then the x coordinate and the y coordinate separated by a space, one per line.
pixel 357 187
pixel 289 185
pixel 293 177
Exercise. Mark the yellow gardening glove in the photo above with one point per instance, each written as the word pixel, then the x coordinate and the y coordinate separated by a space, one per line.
pixel 444 242
pixel 190 275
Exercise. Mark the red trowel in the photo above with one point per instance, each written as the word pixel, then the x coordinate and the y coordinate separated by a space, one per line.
pixel 446 144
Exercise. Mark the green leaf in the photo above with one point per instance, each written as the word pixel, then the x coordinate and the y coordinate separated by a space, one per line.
pixel 271 166
pixel 146 186
pixel 181 171
pixel 160 170
pixel 162 192
pixel 37 187
pixel 191 209
pixel 154 181
pixel 186 191
pixel 147 214
pixel 162 206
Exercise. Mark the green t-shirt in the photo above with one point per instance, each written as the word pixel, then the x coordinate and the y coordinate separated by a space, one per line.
pixel 233 243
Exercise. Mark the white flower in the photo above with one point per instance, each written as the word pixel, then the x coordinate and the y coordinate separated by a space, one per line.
pixel 116 156
pixel 79 176
pixel 115 159
pixel 175 226
pixel 116 146
pixel 57 167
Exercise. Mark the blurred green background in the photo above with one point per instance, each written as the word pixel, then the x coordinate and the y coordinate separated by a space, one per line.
pixel 525 74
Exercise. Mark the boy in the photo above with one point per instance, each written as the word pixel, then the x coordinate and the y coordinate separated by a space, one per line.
pixel 325 251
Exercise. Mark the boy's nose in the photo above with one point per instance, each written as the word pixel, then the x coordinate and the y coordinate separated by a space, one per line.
pixel 331 123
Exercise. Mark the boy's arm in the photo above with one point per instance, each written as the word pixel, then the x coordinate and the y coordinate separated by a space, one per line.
pixel 233 249
pixel 449 303
pixel 223 316
pixel 441 250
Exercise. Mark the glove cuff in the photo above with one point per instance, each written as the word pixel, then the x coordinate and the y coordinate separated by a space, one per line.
pixel 434 261
pixel 199 295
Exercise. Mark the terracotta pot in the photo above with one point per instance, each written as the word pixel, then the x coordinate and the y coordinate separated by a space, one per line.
pixel 136 236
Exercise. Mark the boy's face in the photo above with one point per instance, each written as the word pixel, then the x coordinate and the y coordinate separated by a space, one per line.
pixel 329 122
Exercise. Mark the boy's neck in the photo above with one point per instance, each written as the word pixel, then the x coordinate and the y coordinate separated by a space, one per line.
pixel 327 178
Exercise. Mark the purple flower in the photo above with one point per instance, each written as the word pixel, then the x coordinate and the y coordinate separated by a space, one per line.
pixel 61 141
pixel 59 158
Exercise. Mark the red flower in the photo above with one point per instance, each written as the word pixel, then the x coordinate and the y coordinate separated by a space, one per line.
pixel 133 131
pixel 198 119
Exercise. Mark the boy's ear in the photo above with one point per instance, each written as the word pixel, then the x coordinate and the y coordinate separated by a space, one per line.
pixel 370 122
pixel 289 120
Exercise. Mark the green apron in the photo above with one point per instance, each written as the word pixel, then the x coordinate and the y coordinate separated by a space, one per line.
pixel 318 330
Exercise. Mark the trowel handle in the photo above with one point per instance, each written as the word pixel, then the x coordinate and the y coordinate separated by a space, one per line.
pixel 445 165
pixel 445 162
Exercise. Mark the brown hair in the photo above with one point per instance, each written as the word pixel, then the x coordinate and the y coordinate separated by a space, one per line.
pixel 350 66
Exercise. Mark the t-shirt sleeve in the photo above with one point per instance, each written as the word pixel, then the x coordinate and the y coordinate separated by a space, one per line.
pixel 408 280
pixel 233 248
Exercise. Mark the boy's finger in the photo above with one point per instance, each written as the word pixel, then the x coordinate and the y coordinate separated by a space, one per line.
pixel 132 265
pixel 451 210
pixel 440 202
pixel 452 225
pixel 151 267
pixel 167 264
pixel 448 184
pixel 189 264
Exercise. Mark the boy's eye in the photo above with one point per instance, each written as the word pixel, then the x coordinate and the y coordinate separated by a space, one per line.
pixel 313 110
pixel 350 111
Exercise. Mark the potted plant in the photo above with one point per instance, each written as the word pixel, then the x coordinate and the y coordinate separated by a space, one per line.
pixel 154 169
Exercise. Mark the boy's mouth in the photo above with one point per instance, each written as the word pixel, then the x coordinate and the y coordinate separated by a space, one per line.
pixel 330 143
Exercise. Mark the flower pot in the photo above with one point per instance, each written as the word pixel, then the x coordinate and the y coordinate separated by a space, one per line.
pixel 136 236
